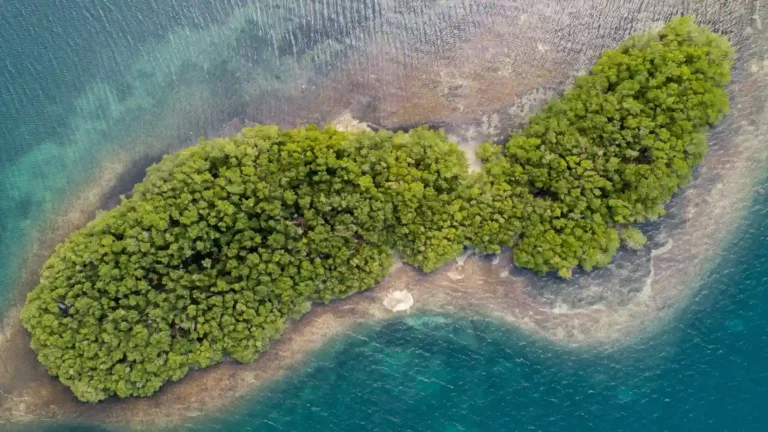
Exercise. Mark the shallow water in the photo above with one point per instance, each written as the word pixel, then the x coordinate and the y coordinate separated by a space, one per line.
pixel 88 82
pixel 448 373
pixel 442 373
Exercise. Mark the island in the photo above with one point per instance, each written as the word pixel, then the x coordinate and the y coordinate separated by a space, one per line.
pixel 225 243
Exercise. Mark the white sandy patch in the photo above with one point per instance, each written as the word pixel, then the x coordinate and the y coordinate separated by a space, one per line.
pixel 398 301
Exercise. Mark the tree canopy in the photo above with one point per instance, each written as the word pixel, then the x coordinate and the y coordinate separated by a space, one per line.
pixel 614 148
pixel 225 242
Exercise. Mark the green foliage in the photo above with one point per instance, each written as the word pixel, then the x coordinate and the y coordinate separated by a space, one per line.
pixel 495 201
pixel 617 145
pixel 224 243
pixel 632 237
pixel 425 178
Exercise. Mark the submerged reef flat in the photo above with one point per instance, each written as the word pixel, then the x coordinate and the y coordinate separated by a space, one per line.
pixel 604 308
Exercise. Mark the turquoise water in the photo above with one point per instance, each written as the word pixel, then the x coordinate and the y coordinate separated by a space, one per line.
pixel 708 372
pixel 75 86
pixel 86 82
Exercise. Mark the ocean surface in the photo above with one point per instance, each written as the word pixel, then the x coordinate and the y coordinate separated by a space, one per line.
pixel 707 372
pixel 95 81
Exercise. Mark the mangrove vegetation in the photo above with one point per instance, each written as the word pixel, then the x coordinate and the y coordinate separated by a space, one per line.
pixel 224 243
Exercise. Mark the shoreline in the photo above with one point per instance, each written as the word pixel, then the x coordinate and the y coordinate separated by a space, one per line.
pixel 595 309
pixel 470 286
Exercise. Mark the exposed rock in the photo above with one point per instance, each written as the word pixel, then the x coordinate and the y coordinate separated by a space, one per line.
pixel 398 301
pixel 347 123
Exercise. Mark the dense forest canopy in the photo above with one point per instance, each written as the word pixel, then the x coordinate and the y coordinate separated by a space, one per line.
pixel 617 145
pixel 225 242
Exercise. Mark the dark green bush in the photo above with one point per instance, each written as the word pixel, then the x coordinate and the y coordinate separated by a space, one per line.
pixel 617 145
pixel 427 175
pixel 225 242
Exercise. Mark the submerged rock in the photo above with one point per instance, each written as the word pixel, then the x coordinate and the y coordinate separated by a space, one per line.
pixel 398 301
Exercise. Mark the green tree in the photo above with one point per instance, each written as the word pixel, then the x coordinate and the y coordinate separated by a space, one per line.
pixel 225 242
pixel 618 144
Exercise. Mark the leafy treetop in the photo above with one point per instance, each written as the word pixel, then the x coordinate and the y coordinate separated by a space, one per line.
pixel 225 242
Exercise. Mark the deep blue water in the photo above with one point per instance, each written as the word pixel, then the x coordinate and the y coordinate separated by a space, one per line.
pixel 83 81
